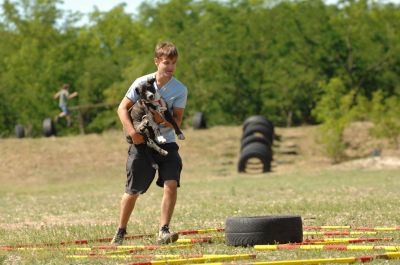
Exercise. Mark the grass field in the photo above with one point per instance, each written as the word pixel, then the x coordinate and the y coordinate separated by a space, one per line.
pixel 68 188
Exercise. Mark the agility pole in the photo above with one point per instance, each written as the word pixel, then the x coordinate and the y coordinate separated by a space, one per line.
pixel 327 247
pixel 149 256
pixel 128 247
pixel 207 239
pixel 195 260
pixel 132 249
pixel 348 240
pixel 338 233
pixel 316 227
pixel 386 256
pixel 326 227
pixel 108 239
pixel 201 231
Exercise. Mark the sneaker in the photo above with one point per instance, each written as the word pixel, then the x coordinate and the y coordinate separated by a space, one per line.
pixel 165 236
pixel 118 238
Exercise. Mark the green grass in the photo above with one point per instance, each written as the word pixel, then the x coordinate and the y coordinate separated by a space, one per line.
pixel 68 188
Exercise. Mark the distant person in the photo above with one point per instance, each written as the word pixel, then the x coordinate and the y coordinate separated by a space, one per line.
pixel 139 171
pixel 64 96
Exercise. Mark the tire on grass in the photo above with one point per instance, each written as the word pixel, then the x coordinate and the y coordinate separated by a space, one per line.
pixel 19 131
pixel 49 127
pixel 199 121
pixel 263 230
pixel 255 158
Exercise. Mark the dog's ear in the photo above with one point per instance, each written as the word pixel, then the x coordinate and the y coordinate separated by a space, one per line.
pixel 151 80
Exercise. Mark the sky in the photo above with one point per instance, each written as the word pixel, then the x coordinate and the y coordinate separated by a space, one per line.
pixel 86 6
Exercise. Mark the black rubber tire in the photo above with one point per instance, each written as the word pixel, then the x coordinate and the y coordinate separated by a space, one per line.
pixel 252 129
pixel 199 121
pixel 263 230
pixel 19 131
pixel 49 127
pixel 253 139
pixel 255 150
pixel 257 119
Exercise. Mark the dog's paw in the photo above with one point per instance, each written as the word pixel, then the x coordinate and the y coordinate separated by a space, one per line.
pixel 163 153
pixel 161 140
pixel 181 136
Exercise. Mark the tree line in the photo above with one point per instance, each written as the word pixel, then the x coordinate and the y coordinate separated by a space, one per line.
pixel 295 62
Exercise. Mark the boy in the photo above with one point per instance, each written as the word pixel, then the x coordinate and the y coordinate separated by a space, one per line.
pixel 140 173
pixel 64 96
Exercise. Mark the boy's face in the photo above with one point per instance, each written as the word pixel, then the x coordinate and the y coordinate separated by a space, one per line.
pixel 166 66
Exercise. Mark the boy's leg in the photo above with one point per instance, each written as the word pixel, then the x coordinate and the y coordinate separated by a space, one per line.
pixel 167 209
pixel 168 201
pixel 127 205
pixel 169 178
pixel 140 174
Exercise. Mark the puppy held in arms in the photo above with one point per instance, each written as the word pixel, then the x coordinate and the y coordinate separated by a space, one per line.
pixel 143 119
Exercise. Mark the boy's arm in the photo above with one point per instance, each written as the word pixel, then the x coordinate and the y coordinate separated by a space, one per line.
pixel 56 95
pixel 178 115
pixel 73 95
pixel 123 115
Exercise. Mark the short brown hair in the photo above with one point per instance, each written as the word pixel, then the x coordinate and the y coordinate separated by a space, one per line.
pixel 165 49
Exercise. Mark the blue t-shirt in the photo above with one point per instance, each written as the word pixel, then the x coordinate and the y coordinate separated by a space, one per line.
pixel 174 93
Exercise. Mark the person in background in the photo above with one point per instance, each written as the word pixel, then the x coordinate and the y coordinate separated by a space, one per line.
pixel 63 95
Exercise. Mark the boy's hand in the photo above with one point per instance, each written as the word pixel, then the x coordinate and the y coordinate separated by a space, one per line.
pixel 137 138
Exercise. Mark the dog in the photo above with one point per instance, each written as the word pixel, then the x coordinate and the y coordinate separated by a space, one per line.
pixel 159 105
pixel 143 120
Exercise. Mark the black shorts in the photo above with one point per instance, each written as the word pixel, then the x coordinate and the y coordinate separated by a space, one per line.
pixel 140 173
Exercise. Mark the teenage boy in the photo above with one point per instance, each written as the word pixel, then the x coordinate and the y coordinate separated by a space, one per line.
pixel 140 173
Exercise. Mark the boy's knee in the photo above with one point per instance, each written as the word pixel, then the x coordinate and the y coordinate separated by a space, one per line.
pixel 171 185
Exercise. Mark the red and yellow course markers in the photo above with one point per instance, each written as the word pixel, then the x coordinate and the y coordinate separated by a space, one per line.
pixel 327 227
pixel 127 248
pixel 196 260
pixel 108 239
pixel 348 240
pixel 326 247
pixel 161 256
pixel 338 233
pixel 388 255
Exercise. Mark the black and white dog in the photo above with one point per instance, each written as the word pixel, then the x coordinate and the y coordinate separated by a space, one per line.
pixel 143 120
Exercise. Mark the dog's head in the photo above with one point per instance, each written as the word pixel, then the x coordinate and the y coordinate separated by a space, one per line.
pixel 147 91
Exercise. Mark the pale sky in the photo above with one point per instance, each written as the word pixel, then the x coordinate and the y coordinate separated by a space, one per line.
pixel 86 6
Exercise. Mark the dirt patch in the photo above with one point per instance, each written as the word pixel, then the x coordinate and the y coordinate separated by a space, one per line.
pixel 371 163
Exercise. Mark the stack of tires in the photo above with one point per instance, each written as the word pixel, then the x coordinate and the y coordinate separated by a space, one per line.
pixel 256 145
pixel 199 121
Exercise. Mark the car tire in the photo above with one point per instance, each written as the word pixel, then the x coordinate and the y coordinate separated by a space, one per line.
pixel 254 129
pixel 257 119
pixel 254 139
pixel 257 151
pixel 19 131
pixel 49 127
pixel 262 230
